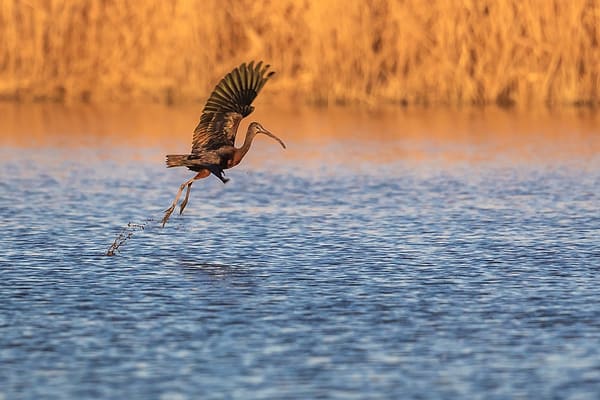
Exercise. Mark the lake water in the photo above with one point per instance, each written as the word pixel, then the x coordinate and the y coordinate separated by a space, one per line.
pixel 384 255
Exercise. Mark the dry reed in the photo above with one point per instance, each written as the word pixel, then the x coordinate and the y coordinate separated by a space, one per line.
pixel 328 51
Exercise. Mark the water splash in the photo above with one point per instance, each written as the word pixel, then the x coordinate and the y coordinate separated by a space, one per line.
pixel 126 234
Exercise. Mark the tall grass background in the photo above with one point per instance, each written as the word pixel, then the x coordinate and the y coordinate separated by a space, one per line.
pixel 453 52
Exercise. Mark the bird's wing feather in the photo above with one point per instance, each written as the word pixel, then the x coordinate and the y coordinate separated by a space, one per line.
pixel 230 101
pixel 206 158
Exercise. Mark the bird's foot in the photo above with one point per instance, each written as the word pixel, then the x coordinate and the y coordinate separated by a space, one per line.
pixel 222 177
pixel 218 172
pixel 182 206
pixel 168 213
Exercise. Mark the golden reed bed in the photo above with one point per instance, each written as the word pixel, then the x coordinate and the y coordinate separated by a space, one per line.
pixel 521 52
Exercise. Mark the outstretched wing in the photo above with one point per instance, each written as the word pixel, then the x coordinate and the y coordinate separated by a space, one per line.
pixel 230 101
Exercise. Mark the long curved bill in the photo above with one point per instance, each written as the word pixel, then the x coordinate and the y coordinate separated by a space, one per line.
pixel 266 132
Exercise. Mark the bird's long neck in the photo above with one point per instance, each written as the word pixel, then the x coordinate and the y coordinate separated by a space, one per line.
pixel 241 152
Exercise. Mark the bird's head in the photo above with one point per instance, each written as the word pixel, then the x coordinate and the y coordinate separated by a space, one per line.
pixel 256 128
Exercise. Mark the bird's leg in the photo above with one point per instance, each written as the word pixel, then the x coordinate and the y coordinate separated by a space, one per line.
pixel 185 200
pixel 202 174
pixel 169 210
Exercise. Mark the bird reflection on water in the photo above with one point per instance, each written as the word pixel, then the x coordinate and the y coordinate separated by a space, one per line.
pixel 214 270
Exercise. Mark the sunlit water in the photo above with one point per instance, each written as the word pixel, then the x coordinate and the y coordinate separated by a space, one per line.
pixel 375 263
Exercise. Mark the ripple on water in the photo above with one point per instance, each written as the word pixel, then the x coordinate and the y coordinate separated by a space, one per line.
pixel 405 280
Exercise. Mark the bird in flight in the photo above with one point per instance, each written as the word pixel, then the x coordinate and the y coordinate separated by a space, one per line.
pixel 213 142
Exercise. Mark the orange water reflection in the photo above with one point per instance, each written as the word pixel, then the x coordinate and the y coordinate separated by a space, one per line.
pixel 318 136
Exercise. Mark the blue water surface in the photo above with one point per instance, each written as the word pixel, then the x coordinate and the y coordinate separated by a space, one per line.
pixel 393 280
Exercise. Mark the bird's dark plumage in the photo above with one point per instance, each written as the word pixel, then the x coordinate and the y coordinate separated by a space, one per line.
pixel 213 144
pixel 230 101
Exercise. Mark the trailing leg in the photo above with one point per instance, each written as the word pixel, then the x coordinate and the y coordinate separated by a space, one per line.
pixel 202 174
pixel 185 200
pixel 169 210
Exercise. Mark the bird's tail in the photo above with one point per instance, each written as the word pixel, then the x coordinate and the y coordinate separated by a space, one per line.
pixel 177 160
